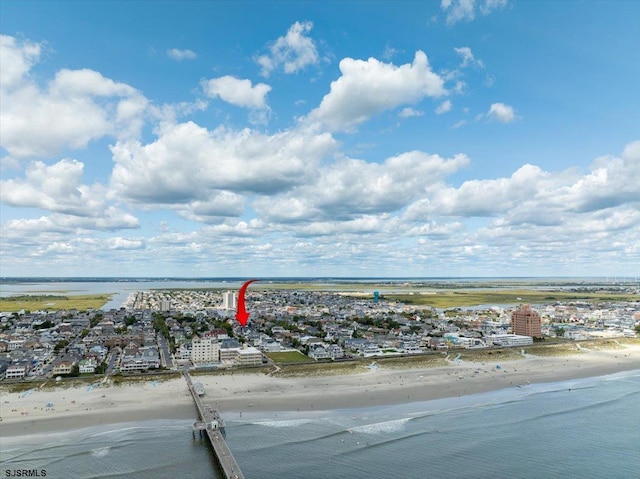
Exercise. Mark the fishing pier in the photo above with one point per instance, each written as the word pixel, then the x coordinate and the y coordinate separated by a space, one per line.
pixel 212 425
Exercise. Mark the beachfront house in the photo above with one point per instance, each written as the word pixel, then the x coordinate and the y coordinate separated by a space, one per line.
pixel 63 367
pixel 87 366
pixel 16 372
pixel 336 352
pixel 318 351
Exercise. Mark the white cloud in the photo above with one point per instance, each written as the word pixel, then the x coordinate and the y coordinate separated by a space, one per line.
pixel 389 52
pixel 488 6
pixel 465 10
pixel 77 106
pixel 112 219
pixel 501 112
pixel 537 197
pixel 237 92
pixel 218 206
pixel 188 162
pixel 176 54
pixel 612 182
pixel 353 187
pixel 17 59
pixel 119 243
pixel 58 188
pixel 54 188
pixel 443 107
pixel 408 112
pixel 370 87
pixel 468 58
pixel 292 52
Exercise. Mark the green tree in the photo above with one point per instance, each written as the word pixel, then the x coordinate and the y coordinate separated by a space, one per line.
pixel 60 345
pixel 75 371
pixel 44 325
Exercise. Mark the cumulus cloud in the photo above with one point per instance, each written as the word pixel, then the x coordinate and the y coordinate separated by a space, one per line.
pixel 292 52
pixel 76 107
pixel 501 112
pixel 17 59
pixel 54 188
pixel 613 181
pixel 291 200
pixel 465 10
pixel 237 92
pixel 215 209
pixel 366 88
pixel 58 188
pixel 176 54
pixel 353 187
pixel 533 196
pixel 187 162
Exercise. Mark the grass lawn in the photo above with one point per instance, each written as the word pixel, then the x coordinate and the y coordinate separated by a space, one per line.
pixel 289 357
pixel 53 302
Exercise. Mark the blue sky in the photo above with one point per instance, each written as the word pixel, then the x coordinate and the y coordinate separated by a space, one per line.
pixel 452 138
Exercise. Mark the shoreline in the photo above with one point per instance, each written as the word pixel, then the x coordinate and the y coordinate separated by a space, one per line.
pixel 67 409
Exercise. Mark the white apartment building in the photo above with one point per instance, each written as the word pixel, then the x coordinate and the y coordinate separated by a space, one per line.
pixel 249 356
pixel 16 372
pixel 510 340
pixel 137 365
pixel 229 300
pixel 205 350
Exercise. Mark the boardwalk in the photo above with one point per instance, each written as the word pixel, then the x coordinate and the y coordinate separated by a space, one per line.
pixel 211 423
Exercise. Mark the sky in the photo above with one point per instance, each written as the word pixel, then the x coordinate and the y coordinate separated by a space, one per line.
pixel 323 138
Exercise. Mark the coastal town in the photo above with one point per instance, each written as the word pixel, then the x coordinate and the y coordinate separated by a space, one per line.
pixel 188 329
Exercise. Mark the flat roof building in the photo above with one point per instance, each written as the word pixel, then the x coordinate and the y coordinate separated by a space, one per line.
pixel 205 350
pixel 229 300
pixel 526 322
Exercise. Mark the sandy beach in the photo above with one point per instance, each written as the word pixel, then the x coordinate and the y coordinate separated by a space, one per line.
pixel 58 409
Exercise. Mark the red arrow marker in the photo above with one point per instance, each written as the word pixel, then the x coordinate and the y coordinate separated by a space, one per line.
pixel 241 313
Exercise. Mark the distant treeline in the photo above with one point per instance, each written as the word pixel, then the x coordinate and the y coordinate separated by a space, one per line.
pixel 28 297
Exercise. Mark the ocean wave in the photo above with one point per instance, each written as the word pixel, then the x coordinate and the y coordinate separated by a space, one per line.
pixel 383 443
pixel 101 452
pixel 384 427
pixel 284 423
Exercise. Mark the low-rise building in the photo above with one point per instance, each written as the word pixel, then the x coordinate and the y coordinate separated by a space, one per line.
pixel 249 356
pixel 509 340
pixel 16 372
pixel 87 366
pixel 318 351
pixel 63 367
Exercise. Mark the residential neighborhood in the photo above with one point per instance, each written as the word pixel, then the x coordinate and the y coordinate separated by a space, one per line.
pixel 158 330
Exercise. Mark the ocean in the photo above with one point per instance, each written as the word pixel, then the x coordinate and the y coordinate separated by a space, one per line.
pixel 583 428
